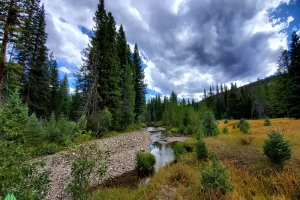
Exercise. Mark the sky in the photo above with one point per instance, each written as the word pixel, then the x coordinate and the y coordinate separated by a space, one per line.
pixel 186 45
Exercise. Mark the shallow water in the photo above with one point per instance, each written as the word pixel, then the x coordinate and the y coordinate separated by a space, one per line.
pixel 163 153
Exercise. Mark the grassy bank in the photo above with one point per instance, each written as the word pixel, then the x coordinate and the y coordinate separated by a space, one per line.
pixel 251 173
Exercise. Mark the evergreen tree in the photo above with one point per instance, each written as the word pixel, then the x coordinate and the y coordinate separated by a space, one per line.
pixel 233 105
pixel 55 102
pixel 139 84
pixel 293 89
pixel 10 18
pixel 37 81
pixel 75 106
pixel 173 97
pixel 127 79
pixel 64 96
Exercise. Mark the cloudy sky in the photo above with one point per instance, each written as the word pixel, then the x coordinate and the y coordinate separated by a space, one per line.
pixel 186 45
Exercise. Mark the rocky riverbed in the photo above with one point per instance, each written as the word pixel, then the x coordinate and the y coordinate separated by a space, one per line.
pixel 122 149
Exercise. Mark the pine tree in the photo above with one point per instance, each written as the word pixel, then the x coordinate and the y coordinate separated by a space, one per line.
pixel 10 19
pixel 54 105
pixel 127 79
pixel 233 105
pixel 293 89
pixel 139 84
pixel 113 94
pixel 75 106
pixel 64 96
pixel 37 82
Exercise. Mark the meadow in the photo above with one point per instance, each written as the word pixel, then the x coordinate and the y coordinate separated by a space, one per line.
pixel 251 173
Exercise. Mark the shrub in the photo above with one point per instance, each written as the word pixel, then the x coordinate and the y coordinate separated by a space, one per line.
pixel 189 130
pixel 216 179
pixel 199 133
pixel 46 148
pixel 189 145
pixel 89 165
pixel 145 161
pixel 244 126
pixel 61 131
pixel 267 122
pixel 225 130
pixel 13 117
pixel 246 140
pixel 276 148
pixel 226 121
pixel 25 180
pixel 174 130
pixel 201 150
pixel 178 150
pixel 210 127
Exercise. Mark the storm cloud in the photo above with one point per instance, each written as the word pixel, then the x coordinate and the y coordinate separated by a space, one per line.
pixel 189 44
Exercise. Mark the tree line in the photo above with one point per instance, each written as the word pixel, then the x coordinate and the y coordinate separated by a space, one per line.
pixel 110 87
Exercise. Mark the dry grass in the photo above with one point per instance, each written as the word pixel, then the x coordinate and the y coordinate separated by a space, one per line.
pixel 251 173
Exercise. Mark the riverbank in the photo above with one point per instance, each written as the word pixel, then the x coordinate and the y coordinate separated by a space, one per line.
pixel 122 159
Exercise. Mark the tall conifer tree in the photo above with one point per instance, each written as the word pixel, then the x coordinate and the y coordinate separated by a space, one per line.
pixel 293 89
pixel 37 81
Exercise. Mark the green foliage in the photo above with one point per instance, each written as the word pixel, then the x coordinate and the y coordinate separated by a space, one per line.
pixel 225 130
pixel 25 180
pixel 34 132
pixel 276 148
pixel 244 126
pixel 226 121
pixel 105 121
pixel 201 150
pixel 216 179
pixel 209 124
pixel 293 84
pixel 60 131
pixel 178 150
pixel 267 122
pixel 13 117
pixel 145 161
pixel 89 165
pixel 46 148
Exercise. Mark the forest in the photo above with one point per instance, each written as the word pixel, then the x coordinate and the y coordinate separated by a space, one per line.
pixel 39 115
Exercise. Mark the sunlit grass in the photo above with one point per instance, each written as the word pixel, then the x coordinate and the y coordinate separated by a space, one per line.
pixel 252 174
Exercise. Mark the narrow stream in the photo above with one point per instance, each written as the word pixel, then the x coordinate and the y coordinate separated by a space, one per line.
pixel 162 150
pixel 163 153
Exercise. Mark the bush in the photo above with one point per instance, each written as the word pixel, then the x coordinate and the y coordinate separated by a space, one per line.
pixel 89 165
pixel 267 122
pixel 25 180
pixel 178 150
pixel 276 148
pixel 210 127
pixel 244 126
pixel 46 149
pixel 226 121
pixel 61 131
pixel 201 150
pixel 145 161
pixel 174 130
pixel 216 179
pixel 199 133
pixel 13 117
pixel 225 130
pixel 246 140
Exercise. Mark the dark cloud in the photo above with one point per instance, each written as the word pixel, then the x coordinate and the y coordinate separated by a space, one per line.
pixel 199 43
